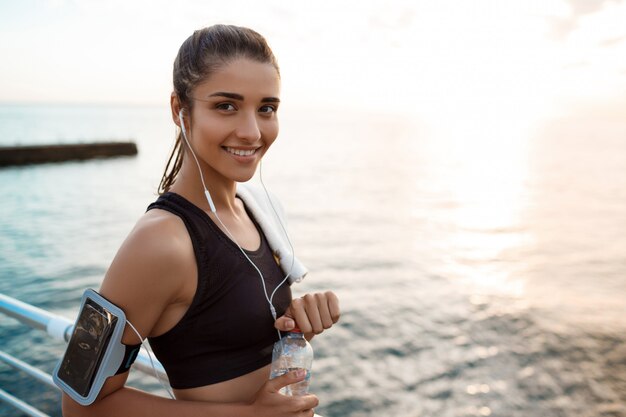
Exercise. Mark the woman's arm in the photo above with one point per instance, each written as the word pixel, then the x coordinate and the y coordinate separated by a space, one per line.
pixel 144 279
pixel 125 401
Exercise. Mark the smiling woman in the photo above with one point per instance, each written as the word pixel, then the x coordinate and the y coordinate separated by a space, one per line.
pixel 244 109
pixel 203 274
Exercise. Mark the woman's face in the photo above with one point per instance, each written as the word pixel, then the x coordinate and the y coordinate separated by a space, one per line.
pixel 234 120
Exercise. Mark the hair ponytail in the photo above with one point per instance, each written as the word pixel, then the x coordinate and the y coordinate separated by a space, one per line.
pixel 172 168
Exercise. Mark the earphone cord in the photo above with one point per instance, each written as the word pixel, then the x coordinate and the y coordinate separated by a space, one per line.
pixel 151 362
pixel 214 210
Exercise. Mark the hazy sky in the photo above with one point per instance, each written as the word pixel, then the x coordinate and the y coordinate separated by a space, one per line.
pixel 428 55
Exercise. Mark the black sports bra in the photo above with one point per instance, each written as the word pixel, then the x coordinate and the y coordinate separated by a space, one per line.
pixel 228 330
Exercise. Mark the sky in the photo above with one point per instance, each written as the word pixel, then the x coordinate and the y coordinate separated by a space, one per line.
pixel 434 57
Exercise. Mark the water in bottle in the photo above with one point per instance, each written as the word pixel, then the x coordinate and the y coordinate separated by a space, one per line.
pixel 290 353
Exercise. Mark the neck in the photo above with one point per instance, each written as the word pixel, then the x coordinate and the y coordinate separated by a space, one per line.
pixel 189 185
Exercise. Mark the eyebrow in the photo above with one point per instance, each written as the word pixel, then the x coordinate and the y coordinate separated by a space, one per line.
pixel 239 97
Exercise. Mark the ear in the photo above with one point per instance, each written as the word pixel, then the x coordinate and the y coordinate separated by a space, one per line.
pixel 175 106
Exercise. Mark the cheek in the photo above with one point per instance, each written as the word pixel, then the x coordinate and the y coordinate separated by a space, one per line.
pixel 271 132
pixel 208 131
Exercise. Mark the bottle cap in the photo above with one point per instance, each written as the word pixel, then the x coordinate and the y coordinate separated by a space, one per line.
pixel 296 329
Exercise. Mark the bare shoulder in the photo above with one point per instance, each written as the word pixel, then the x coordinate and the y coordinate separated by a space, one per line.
pixel 159 242
pixel 159 230
pixel 149 270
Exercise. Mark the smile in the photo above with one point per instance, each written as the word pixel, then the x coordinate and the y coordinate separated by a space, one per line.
pixel 241 152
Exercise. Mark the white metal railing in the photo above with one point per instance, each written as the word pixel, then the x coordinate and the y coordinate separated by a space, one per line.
pixel 20 405
pixel 59 328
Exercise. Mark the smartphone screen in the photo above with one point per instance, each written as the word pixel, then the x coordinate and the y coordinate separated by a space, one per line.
pixel 86 347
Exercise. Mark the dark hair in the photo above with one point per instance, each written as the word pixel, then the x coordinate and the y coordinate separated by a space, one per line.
pixel 203 53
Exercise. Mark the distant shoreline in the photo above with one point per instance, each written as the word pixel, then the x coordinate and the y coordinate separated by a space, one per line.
pixel 39 154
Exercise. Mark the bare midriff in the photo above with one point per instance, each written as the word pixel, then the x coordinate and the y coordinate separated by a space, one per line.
pixel 240 389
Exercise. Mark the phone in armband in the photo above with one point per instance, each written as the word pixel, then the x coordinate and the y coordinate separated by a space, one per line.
pixel 95 350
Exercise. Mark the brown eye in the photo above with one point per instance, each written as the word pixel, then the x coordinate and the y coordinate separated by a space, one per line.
pixel 267 109
pixel 226 106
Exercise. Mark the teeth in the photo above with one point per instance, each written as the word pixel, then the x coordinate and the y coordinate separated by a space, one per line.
pixel 241 152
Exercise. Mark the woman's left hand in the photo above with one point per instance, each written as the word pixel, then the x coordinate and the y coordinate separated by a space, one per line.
pixel 312 313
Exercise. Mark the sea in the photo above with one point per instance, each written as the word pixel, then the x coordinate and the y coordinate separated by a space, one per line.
pixel 480 271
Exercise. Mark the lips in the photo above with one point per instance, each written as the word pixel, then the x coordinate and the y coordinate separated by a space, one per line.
pixel 240 151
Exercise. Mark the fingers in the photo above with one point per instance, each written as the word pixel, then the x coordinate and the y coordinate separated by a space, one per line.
pixel 312 305
pixel 315 313
pixel 298 308
pixel 325 315
pixel 270 402
pixel 333 306
pixel 285 323
pixel 274 385
pixel 308 403
pixel 303 403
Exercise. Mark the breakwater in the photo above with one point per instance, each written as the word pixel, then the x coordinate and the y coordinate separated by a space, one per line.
pixel 38 154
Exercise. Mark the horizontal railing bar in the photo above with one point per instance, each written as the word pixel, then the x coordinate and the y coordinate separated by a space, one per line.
pixel 60 328
pixel 143 364
pixel 38 374
pixel 25 313
pixel 20 405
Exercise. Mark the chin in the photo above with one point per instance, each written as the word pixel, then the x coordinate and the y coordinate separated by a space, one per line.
pixel 243 177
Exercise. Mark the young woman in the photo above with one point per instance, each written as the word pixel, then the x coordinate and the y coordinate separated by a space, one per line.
pixel 198 271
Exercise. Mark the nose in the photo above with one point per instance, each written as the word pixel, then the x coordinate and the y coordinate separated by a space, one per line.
pixel 248 127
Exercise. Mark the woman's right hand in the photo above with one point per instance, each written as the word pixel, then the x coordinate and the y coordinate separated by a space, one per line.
pixel 270 403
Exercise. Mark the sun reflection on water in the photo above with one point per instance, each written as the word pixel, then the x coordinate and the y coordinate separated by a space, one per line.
pixel 482 175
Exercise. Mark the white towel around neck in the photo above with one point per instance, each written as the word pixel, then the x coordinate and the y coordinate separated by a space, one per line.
pixel 257 202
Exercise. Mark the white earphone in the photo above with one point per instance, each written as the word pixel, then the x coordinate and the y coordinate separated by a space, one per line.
pixel 214 211
pixel 206 192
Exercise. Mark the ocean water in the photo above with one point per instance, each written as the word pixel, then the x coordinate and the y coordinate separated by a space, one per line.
pixel 479 274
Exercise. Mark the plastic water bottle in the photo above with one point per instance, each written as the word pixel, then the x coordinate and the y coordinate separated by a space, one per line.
pixel 290 353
